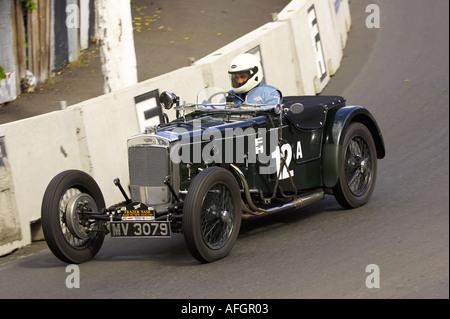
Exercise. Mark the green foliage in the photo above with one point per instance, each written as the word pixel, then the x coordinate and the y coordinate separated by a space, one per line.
pixel 2 73
pixel 29 4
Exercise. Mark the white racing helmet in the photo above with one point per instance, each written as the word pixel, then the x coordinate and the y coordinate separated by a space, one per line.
pixel 249 64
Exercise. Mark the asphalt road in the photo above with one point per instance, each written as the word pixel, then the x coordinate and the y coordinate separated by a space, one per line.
pixel 400 72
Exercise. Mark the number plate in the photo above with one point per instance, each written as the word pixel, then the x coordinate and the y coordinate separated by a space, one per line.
pixel 140 229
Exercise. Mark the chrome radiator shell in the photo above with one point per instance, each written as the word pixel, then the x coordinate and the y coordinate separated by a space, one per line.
pixel 149 166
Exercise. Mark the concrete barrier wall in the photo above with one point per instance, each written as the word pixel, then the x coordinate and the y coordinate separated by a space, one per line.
pixel 91 136
pixel 332 22
pixel 34 149
pixel 272 43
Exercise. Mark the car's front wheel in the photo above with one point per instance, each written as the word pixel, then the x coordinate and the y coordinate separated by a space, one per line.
pixel 358 169
pixel 69 236
pixel 212 214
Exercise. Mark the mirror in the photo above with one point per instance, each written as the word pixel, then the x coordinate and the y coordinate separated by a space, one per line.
pixel 167 100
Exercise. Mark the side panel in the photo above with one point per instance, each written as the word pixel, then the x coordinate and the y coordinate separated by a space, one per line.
pixel 300 148
pixel 302 152
pixel 313 157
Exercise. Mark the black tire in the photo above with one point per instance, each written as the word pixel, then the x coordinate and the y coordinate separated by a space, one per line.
pixel 212 214
pixel 67 245
pixel 358 169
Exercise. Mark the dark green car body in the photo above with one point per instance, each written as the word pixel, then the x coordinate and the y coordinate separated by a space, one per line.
pixel 215 165
pixel 313 146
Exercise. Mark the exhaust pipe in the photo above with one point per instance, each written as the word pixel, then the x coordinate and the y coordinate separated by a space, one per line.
pixel 252 211
pixel 300 201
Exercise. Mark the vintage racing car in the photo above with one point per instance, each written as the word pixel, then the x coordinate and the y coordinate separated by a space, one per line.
pixel 219 162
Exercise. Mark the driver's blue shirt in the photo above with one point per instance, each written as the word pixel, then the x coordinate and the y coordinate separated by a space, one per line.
pixel 261 94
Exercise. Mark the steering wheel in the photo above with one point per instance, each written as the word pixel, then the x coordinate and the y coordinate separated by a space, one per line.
pixel 215 94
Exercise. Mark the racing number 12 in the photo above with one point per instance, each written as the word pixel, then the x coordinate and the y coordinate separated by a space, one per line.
pixel 286 150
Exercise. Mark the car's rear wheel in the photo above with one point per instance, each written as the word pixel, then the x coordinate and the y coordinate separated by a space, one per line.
pixel 358 169
pixel 70 237
pixel 212 214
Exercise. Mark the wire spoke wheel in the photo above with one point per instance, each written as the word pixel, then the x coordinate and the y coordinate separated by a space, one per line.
pixel 212 214
pixel 359 168
pixel 217 216
pixel 72 238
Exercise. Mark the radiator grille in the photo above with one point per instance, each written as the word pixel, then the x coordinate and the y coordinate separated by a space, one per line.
pixel 149 165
